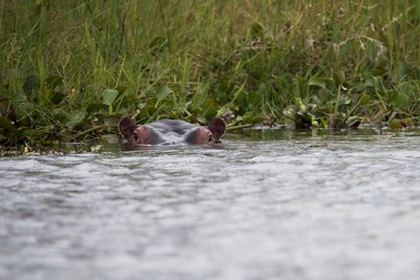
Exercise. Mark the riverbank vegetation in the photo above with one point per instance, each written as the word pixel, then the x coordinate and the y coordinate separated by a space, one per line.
pixel 70 69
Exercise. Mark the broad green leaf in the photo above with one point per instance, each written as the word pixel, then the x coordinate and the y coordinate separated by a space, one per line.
pixel 254 99
pixel 418 8
pixel 396 124
pixel 378 82
pixel 31 83
pixel 353 122
pixel 399 99
pixel 343 101
pixel 200 95
pixel 162 93
pixel 111 121
pixel 364 99
pixel 5 123
pixel 254 118
pixel 110 139
pixel 75 118
pixel 21 104
pixel 94 107
pixel 290 112
pixel 109 96
pixel 319 82
pixel 255 30
pixel 59 115
pixel 340 76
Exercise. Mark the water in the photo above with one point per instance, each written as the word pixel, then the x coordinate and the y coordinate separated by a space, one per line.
pixel 286 206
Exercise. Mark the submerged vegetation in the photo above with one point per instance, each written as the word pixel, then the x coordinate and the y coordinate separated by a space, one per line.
pixel 70 69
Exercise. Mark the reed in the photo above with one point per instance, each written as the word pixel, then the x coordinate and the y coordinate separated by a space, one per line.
pixel 70 69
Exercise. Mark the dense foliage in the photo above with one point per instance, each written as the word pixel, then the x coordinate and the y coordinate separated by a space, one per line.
pixel 71 69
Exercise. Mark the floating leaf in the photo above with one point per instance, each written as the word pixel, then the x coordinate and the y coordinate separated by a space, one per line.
pixel 109 96
pixel 397 124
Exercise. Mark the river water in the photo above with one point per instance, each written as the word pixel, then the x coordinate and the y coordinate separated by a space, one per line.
pixel 265 205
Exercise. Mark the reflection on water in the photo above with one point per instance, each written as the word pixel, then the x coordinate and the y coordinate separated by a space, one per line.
pixel 294 207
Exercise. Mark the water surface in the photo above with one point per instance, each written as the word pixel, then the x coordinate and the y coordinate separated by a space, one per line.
pixel 264 206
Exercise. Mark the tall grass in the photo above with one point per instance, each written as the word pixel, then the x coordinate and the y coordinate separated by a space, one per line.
pixel 69 69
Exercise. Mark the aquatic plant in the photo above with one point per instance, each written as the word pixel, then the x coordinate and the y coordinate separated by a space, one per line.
pixel 71 69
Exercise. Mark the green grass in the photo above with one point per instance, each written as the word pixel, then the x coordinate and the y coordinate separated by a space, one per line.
pixel 70 69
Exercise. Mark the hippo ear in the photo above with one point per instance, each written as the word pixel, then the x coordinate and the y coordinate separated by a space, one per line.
pixel 126 126
pixel 218 128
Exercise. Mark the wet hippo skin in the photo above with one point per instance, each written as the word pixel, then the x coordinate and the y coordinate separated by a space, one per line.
pixel 171 132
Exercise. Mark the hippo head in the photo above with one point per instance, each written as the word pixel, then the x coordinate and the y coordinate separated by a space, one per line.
pixel 171 132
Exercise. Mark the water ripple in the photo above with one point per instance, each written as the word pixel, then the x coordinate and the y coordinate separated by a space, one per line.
pixel 307 208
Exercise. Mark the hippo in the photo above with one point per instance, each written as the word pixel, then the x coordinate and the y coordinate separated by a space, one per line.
pixel 167 132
